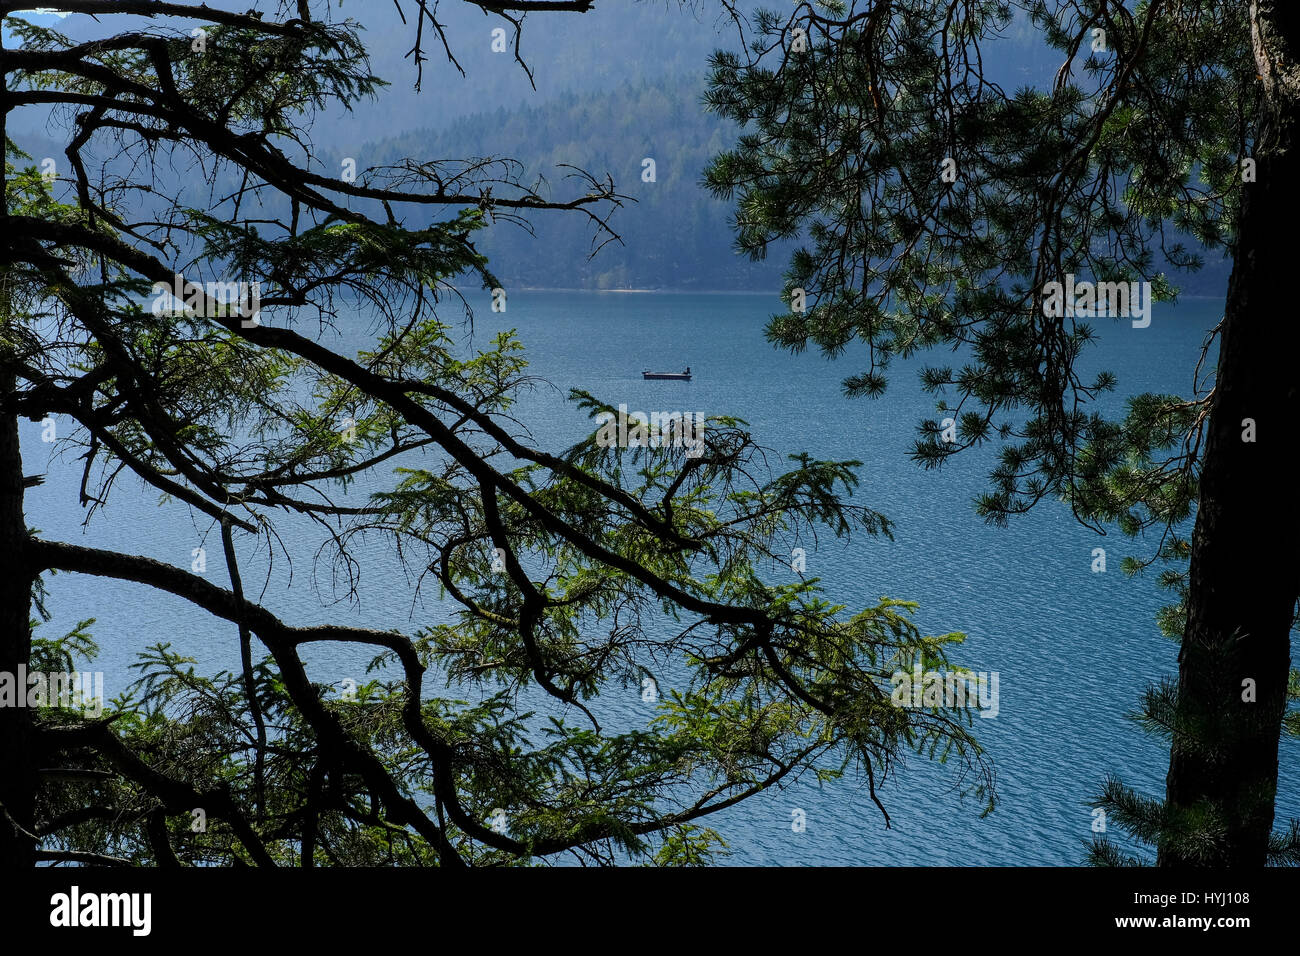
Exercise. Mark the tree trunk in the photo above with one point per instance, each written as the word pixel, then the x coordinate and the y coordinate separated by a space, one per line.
pixel 1244 578
pixel 17 769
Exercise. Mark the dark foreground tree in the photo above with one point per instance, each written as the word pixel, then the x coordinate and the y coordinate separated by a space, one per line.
pixel 936 207
pixel 572 574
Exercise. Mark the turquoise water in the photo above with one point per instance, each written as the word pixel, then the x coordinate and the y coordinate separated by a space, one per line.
pixel 1073 648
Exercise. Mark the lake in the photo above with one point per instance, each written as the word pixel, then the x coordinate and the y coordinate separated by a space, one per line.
pixel 1073 648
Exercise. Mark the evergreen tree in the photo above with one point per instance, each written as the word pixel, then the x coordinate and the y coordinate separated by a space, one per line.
pixel 936 207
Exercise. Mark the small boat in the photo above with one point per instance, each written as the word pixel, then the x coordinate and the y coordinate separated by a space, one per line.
pixel 671 376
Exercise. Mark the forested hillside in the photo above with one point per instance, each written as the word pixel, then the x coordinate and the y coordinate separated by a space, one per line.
pixel 674 236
